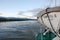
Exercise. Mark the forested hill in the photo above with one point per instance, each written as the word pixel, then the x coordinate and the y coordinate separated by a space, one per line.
pixel 14 19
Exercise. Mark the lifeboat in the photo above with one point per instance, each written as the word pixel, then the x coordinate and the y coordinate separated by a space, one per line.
pixel 50 18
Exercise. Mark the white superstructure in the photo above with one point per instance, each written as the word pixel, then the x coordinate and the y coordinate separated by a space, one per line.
pixel 50 17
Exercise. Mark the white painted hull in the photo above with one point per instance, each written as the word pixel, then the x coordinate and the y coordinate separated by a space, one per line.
pixel 54 19
pixel 56 38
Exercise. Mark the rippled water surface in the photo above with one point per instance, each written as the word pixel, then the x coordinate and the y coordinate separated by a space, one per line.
pixel 19 30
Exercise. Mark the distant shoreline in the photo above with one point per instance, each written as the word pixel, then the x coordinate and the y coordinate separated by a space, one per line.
pixel 17 20
pixel 2 19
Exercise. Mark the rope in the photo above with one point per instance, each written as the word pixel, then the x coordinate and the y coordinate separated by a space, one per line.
pixel 51 24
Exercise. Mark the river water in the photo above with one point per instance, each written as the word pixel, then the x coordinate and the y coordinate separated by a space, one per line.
pixel 19 30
